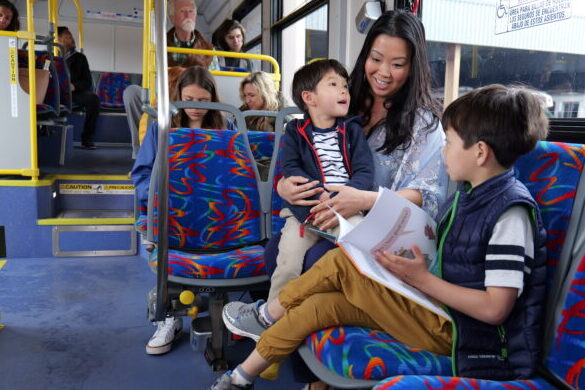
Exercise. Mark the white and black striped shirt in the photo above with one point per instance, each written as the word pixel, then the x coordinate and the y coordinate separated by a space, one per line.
pixel 326 142
pixel 510 252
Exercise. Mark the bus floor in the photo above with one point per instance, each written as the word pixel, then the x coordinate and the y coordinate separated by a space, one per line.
pixel 80 323
pixel 107 159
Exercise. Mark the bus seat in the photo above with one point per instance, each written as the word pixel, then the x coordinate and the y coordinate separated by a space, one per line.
pixel 228 88
pixel 233 69
pixel 553 172
pixel 64 77
pixel 110 88
pixel 50 107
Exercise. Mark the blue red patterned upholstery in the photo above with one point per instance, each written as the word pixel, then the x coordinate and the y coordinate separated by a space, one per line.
pixel 214 206
pixel 239 263
pixel 411 382
pixel 64 84
pixel 51 104
pixel 110 88
pixel 551 172
pixel 233 69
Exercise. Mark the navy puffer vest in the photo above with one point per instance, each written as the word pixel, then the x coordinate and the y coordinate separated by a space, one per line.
pixel 480 350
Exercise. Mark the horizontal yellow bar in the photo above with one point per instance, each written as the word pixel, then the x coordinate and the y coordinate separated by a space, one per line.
pixel 275 77
pixel 91 177
pixel 26 183
pixel 9 33
pixel 85 221
pixel 221 53
pixel 21 172
pixel 26 35
pixel 50 179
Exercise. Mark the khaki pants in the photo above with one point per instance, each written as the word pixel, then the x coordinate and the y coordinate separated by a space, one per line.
pixel 292 248
pixel 334 293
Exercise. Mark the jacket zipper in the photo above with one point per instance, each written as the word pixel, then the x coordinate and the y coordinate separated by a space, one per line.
pixel 503 342
pixel 440 257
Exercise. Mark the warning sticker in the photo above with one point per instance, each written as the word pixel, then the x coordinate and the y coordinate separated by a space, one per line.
pixel 13 64
pixel 512 15
pixel 93 189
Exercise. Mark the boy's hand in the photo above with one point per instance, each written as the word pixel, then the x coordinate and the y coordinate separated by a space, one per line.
pixel 412 271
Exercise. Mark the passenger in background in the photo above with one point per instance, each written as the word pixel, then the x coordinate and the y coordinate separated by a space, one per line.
pixel 8 16
pixel 258 93
pixel 493 264
pixel 81 86
pixel 231 36
pixel 194 84
pixel 183 16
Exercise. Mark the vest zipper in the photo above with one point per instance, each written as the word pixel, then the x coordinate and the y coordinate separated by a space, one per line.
pixel 440 258
pixel 503 342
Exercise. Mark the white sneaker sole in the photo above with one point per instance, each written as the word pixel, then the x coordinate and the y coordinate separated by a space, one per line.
pixel 163 348
pixel 237 331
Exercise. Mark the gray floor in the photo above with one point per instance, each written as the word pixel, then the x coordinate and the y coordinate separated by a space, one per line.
pixel 80 323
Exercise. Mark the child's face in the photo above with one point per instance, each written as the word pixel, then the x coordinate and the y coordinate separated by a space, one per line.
pixel 460 163
pixel 195 93
pixel 330 98
pixel 5 17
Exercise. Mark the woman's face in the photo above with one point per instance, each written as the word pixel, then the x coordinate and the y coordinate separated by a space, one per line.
pixel 388 65
pixel 194 93
pixel 252 97
pixel 235 40
pixel 5 17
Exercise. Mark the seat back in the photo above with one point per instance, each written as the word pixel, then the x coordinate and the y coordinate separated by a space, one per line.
pixel 51 102
pixel 214 202
pixel 110 89
pixel 65 98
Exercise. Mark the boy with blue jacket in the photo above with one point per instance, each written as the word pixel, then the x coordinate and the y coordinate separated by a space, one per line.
pixel 491 247
pixel 325 146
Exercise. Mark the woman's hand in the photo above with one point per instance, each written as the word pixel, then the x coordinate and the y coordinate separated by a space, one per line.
pixel 412 271
pixel 296 189
pixel 348 201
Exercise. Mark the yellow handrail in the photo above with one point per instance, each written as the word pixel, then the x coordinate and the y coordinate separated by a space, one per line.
pixel 32 87
pixel 232 54
pixel 79 24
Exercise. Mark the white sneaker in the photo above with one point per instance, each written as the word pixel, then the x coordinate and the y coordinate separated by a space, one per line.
pixel 167 331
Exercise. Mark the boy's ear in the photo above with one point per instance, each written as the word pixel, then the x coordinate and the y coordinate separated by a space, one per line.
pixel 308 98
pixel 483 152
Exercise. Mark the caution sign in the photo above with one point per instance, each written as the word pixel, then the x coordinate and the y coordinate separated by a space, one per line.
pixel 13 66
pixel 93 189
pixel 512 15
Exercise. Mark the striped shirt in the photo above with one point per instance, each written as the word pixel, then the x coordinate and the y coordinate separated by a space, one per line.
pixel 326 142
pixel 510 251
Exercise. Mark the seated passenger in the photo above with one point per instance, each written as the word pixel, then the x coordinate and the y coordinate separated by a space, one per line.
pixel 257 92
pixel 231 36
pixel 8 16
pixel 182 14
pixel 325 146
pixel 493 262
pixel 194 84
pixel 81 86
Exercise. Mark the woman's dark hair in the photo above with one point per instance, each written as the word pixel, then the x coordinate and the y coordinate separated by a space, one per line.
pixel 14 23
pixel 414 94
pixel 218 37
pixel 203 79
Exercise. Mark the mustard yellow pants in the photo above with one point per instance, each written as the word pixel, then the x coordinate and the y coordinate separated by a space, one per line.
pixel 334 293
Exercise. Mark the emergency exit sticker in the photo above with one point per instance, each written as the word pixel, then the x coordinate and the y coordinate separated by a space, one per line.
pixel 13 66
pixel 96 189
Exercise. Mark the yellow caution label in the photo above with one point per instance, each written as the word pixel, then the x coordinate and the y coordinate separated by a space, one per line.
pixel 13 63
pixel 93 189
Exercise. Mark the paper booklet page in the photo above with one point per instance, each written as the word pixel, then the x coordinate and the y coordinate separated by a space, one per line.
pixel 393 224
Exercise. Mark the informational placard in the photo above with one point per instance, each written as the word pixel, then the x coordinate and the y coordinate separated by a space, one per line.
pixel 512 15
pixel 13 65
pixel 96 189
pixel 135 16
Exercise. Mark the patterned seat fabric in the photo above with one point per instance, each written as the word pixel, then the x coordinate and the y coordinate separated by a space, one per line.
pixel 551 172
pixel 110 88
pixel 65 99
pixel 233 69
pixel 410 382
pixel 51 104
pixel 214 206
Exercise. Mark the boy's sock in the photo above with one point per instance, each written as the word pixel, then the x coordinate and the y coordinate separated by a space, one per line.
pixel 264 316
pixel 241 377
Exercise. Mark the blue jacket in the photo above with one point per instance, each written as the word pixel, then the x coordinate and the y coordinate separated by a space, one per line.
pixel 300 158
pixel 481 350
pixel 142 168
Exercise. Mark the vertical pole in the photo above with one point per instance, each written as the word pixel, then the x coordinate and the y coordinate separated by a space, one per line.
pixel 452 73
pixel 32 87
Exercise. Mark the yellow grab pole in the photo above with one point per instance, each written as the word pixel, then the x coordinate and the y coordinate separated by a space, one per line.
pixel 79 25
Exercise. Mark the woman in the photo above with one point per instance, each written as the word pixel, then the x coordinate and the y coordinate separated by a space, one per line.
pixel 8 16
pixel 258 93
pixel 390 88
pixel 231 36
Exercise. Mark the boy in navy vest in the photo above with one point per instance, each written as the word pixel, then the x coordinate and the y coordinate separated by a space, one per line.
pixel 491 247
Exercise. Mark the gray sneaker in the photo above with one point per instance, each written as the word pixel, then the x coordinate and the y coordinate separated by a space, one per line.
pixel 242 319
pixel 224 382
